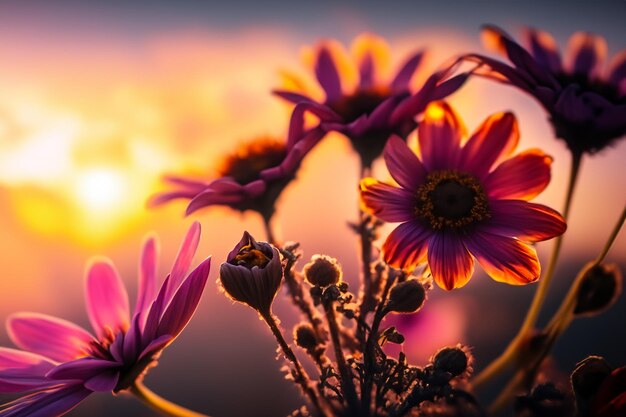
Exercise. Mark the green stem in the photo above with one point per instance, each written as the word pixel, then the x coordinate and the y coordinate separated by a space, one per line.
pixel 160 404
pixel 511 352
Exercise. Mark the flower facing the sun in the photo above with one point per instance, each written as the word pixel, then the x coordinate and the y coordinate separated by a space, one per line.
pixel 368 112
pixel 252 178
pixel 462 199
pixel 586 104
pixel 61 363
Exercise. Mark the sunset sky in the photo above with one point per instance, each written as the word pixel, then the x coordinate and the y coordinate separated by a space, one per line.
pixel 97 102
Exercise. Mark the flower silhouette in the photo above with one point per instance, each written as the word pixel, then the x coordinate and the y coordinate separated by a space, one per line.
pixel 61 363
pixel 457 201
pixel 374 109
pixel 586 105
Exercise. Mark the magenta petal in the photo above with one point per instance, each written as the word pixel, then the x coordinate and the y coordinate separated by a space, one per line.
pixel 295 98
pixel 439 136
pixel 544 49
pixel 387 202
pixel 617 69
pixel 525 221
pixel 147 290
pixel 103 382
pixel 407 245
pixel 47 403
pixel 504 259
pixel 212 197
pixel 327 75
pixel 520 178
pixel 294 157
pixel 155 346
pixel 403 77
pixel 449 260
pixel 162 198
pixel 51 337
pixel 403 165
pixel 587 53
pixel 183 259
pixel 185 301
pixel 497 137
pixel 366 71
pixel 107 299
pixel 22 371
pixel 81 369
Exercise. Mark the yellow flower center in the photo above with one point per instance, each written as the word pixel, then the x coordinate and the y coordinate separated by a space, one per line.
pixel 250 257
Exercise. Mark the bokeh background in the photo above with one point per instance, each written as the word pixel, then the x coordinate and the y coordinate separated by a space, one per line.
pixel 97 101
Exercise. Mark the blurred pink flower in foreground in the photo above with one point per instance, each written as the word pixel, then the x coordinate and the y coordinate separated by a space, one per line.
pixel 61 363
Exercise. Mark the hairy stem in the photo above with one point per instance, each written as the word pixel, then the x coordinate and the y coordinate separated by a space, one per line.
pixel 302 378
pixel 347 384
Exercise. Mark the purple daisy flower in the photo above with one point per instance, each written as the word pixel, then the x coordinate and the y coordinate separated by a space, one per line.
pixel 61 363
pixel 371 111
pixel 457 200
pixel 586 104
pixel 252 178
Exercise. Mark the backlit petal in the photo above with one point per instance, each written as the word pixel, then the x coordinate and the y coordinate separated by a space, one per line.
pixel 403 78
pixel 403 165
pixel 106 298
pixel 522 177
pixel 439 136
pixel 449 261
pixel 47 403
pixel 544 49
pixel 183 260
pixel 496 138
pixel 22 371
pixel 617 69
pixel 388 203
pixel 407 245
pixel 587 53
pixel 51 337
pixel 526 221
pixel 505 259
pixel 147 290
pixel 327 74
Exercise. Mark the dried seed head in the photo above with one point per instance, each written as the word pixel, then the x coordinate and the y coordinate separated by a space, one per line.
pixel 453 360
pixel 406 297
pixel 598 290
pixel 304 336
pixel 323 271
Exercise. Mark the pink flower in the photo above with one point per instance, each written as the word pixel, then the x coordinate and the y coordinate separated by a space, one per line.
pixel 61 363
pixel 462 199
pixel 252 178
pixel 368 113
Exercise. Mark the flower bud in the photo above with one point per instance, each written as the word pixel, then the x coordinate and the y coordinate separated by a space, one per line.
pixel 322 271
pixel 453 360
pixel 406 297
pixel 598 290
pixel 588 375
pixel 304 336
pixel 252 273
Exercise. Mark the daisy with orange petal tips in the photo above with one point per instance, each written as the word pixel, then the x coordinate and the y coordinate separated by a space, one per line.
pixel 585 101
pixel 60 363
pixel 463 199
pixel 373 109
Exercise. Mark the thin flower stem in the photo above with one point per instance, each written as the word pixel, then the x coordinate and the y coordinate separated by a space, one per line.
pixel 511 352
pixel 269 231
pixel 369 355
pixel 558 324
pixel 347 384
pixel 160 404
pixel 302 377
